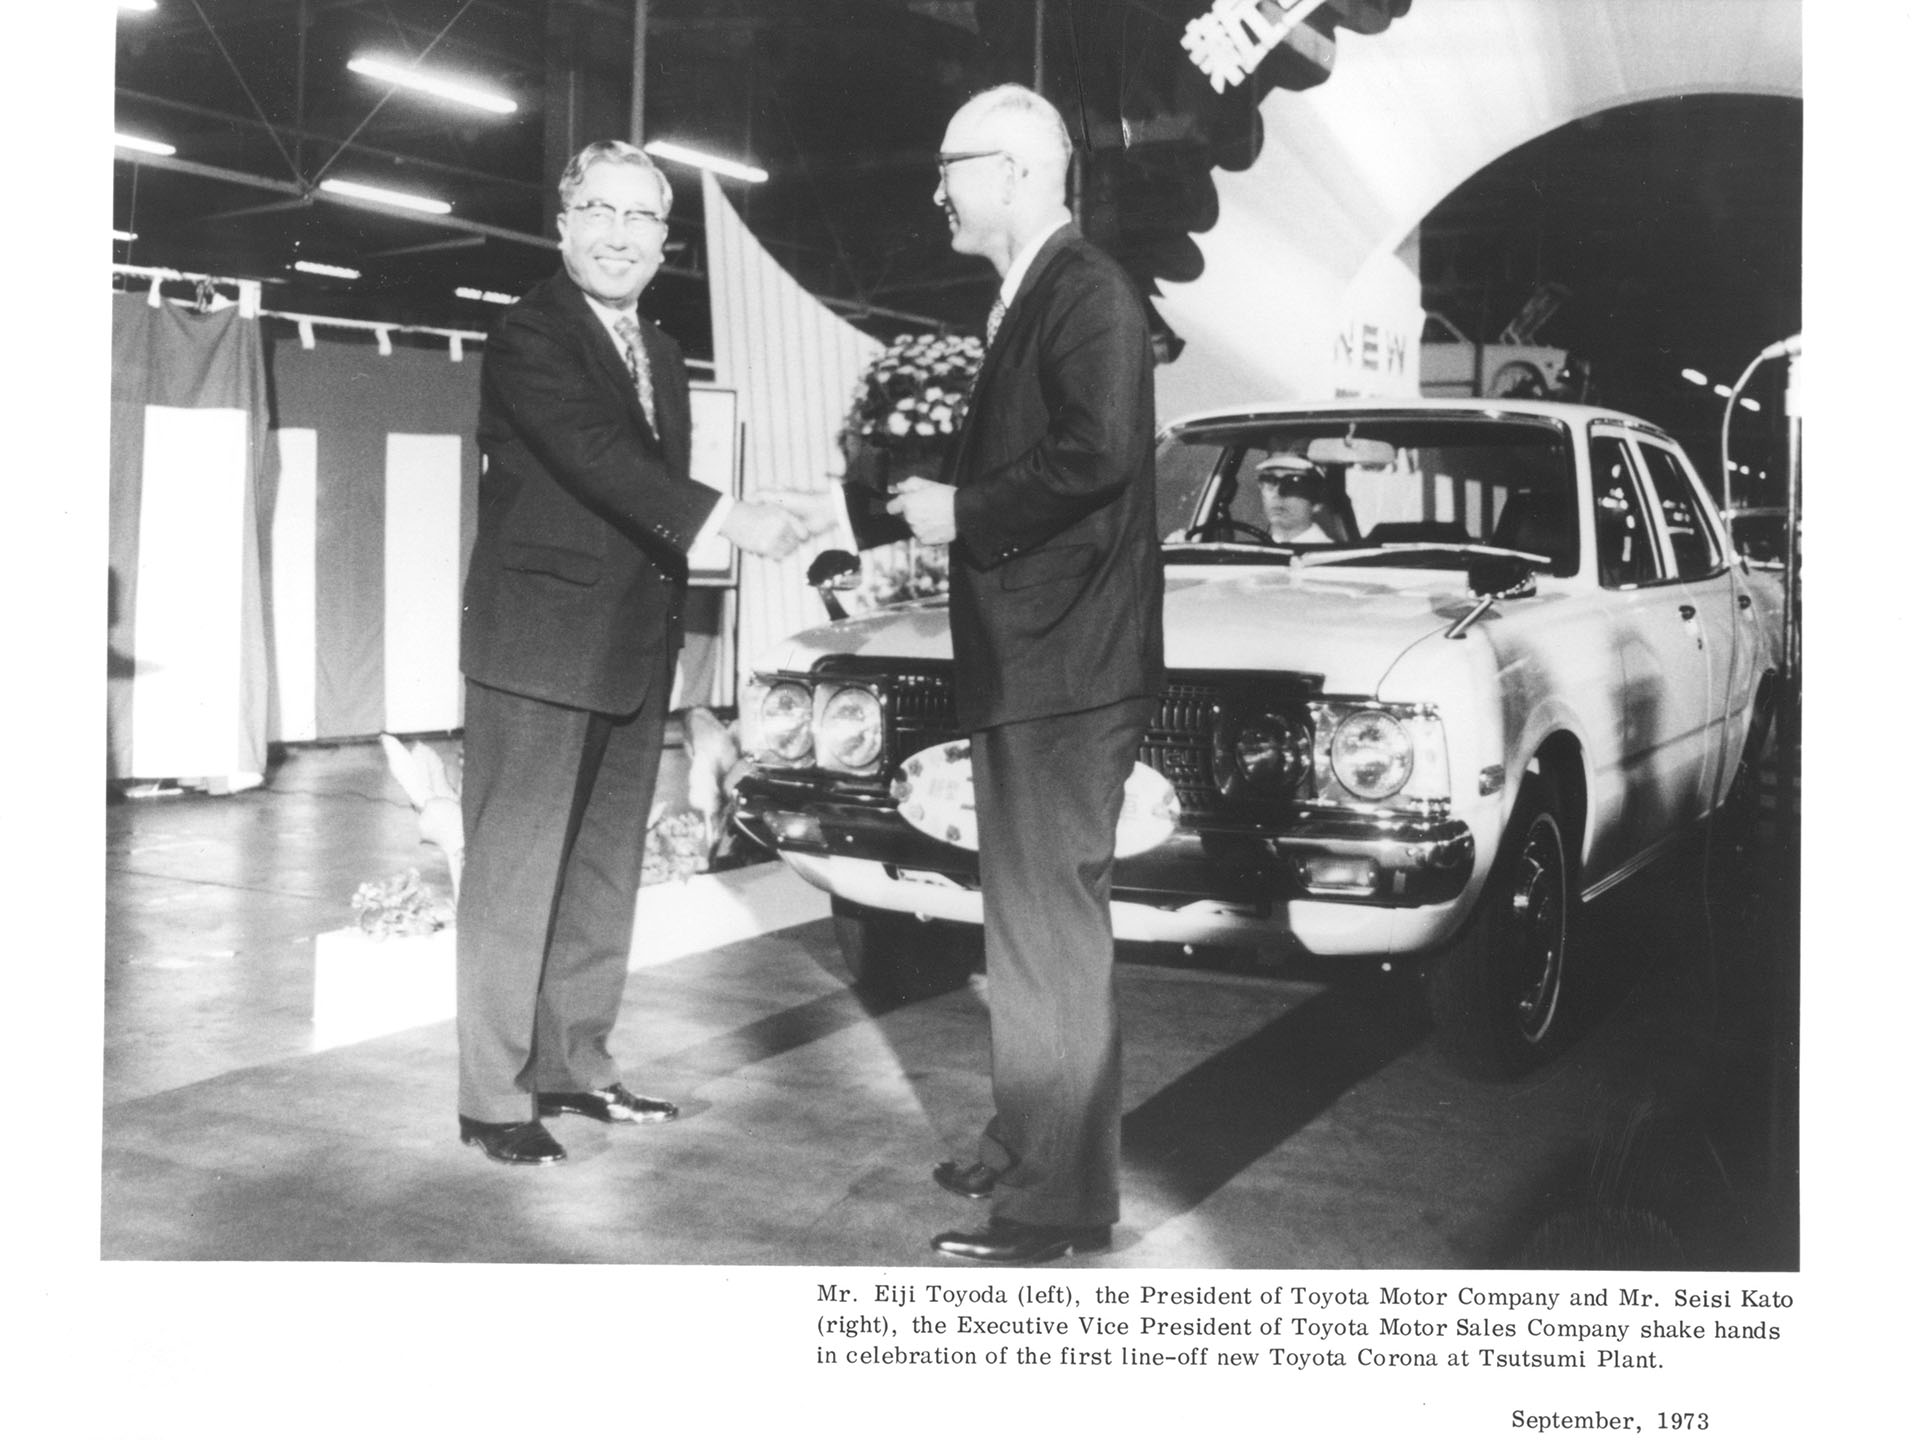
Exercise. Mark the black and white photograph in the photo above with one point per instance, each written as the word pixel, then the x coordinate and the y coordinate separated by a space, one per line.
pixel 799 688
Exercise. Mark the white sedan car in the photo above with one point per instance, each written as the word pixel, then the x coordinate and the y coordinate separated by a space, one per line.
pixel 1520 664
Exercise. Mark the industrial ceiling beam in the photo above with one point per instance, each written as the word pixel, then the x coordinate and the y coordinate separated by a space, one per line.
pixel 287 187
pixel 271 207
pixel 300 133
pixel 459 242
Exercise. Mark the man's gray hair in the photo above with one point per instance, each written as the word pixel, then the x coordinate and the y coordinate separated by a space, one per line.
pixel 611 152
pixel 1032 107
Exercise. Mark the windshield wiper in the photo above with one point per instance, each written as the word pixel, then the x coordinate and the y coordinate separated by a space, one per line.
pixel 1279 549
pixel 1404 547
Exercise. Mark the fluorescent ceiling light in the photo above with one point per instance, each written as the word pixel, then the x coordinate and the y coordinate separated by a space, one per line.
pixel 314 267
pixel 1694 375
pixel 492 297
pixel 667 150
pixel 126 235
pixel 1749 402
pixel 380 196
pixel 399 72
pixel 1725 392
pixel 136 142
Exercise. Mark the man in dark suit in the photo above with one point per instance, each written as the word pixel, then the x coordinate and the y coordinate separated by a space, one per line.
pixel 572 620
pixel 1055 612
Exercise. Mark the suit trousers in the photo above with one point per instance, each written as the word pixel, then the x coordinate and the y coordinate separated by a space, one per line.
pixel 1047 795
pixel 555 804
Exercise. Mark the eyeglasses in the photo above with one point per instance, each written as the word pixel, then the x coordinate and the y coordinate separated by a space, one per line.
pixel 954 157
pixel 598 215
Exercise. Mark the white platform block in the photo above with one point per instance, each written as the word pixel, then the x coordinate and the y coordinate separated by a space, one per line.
pixel 363 986
pixel 678 918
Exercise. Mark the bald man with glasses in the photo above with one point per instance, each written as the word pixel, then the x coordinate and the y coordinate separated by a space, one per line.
pixel 1048 502
pixel 573 616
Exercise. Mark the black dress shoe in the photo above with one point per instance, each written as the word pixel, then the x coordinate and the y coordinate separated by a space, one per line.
pixel 615 1105
pixel 970 1182
pixel 1013 1242
pixel 513 1142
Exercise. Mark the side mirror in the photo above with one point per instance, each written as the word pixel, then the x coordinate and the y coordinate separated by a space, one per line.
pixel 1501 579
pixel 834 570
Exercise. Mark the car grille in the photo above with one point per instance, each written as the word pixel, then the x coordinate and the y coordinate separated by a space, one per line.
pixel 1179 741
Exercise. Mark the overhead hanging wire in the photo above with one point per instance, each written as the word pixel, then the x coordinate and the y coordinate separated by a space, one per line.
pixel 241 79
pixel 344 144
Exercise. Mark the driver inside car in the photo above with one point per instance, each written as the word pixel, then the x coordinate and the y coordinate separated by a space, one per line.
pixel 1290 488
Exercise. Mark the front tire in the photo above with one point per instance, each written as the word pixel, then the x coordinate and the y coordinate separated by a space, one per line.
pixel 1499 992
pixel 894 957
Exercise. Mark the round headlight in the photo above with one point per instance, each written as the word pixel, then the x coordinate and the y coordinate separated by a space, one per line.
pixel 1372 754
pixel 1271 753
pixel 786 721
pixel 849 730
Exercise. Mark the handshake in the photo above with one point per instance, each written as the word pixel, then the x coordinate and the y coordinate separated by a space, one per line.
pixel 775 523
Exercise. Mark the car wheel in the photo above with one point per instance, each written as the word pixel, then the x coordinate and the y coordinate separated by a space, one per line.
pixel 891 956
pixel 1499 992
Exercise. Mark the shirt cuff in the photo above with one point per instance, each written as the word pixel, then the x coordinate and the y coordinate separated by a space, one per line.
pixel 711 530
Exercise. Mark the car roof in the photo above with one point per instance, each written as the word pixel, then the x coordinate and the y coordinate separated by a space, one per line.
pixel 1486 407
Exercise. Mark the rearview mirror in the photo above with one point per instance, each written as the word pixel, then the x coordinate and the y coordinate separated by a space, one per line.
pixel 1339 450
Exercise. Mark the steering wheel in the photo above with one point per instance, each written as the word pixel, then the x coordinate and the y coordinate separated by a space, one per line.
pixel 1225 527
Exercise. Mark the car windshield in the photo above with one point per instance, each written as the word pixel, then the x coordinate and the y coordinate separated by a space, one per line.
pixel 1424 490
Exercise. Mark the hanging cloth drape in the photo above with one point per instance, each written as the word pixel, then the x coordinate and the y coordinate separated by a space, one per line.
pixel 795 364
pixel 187 629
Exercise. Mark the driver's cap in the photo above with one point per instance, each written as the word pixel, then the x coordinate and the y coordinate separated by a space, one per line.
pixel 1287 470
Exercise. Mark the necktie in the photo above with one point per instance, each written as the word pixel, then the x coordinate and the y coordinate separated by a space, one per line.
pixel 629 331
pixel 994 317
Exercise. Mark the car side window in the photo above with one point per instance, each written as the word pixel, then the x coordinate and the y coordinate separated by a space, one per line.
pixel 1695 552
pixel 1622 535
pixel 1182 473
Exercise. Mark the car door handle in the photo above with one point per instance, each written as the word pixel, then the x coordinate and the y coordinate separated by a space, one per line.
pixel 1687 612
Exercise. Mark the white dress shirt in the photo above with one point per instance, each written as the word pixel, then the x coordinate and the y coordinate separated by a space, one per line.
pixel 1023 262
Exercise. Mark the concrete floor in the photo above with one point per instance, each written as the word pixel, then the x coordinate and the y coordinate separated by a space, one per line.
pixel 1272 1122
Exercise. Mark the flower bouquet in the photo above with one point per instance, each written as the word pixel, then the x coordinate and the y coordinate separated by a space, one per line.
pixel 402 905
pixel 679 844
pixel 906 411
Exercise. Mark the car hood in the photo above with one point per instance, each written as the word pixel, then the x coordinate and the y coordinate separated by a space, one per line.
pixel 1347 625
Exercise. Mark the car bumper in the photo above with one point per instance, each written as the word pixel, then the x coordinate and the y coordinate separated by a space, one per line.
pixel 1331 885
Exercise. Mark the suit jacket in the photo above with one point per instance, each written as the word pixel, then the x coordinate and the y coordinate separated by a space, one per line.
pixel 577 582
pixel 1055 575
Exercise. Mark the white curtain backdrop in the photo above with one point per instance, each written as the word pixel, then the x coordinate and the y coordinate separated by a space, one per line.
pixel 794 363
